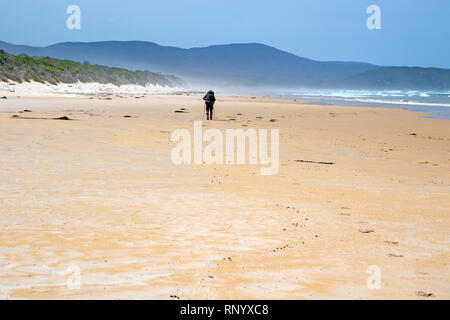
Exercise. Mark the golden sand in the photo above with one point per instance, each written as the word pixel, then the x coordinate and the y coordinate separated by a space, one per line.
pixel 101 194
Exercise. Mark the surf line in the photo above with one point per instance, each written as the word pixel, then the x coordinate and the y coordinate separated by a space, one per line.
pixel 229 150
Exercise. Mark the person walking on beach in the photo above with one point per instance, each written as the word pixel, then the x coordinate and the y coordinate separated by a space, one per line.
pixel 209 99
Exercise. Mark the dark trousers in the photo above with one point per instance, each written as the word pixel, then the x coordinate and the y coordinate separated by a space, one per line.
pixel 209 110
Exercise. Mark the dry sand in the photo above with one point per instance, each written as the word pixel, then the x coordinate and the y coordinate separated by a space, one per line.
pixel 101 194
pixel 33 88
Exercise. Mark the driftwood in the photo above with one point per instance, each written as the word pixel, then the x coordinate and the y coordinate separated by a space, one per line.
pixel 319 162
pixel 32 118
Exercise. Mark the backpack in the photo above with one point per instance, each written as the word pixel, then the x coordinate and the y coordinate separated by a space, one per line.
pixel 210 97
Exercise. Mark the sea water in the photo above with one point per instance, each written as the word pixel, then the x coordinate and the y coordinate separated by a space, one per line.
pixel 437 103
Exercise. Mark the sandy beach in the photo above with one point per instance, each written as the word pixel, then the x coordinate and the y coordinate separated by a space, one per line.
pixel 98 199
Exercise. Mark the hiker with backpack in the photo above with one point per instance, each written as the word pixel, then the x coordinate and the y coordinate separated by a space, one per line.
pixel 209 99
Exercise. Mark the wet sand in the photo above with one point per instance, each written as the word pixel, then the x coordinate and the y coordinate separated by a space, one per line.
pixel 100 194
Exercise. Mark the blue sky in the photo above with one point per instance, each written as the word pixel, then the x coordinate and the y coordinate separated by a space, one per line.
pixel 413 33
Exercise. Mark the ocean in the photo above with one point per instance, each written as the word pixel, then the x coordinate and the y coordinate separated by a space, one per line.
pixel 437 103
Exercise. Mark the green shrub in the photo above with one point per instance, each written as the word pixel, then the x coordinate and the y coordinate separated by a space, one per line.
pixel 46 69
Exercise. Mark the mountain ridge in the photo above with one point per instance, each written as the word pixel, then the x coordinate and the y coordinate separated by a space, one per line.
pixel 236 64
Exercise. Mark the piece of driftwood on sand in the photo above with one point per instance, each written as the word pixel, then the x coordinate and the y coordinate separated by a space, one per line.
pixel 310 161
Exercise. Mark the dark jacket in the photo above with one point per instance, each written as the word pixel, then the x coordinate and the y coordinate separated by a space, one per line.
pixel 209 97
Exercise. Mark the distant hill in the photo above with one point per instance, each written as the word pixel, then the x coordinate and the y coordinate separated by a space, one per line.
pixel 236 65
pixel 399 78
pixel 49 70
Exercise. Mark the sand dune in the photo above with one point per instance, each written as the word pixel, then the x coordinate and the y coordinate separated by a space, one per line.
pixel 33 88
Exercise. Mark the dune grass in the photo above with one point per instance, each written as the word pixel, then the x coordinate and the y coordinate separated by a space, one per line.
pixel 53 71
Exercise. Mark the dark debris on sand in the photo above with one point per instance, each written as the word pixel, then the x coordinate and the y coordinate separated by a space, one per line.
pixel 15 116
pixel 366 231
pixel 424 294
pixel 318 162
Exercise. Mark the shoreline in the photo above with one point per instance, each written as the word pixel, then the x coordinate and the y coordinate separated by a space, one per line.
pixel 435 111
pixel 33 89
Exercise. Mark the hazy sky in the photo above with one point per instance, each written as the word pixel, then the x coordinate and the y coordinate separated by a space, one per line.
pixel 413 32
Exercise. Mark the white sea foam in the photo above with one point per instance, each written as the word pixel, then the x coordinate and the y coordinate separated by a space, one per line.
pixel 402 102
pixel 397 97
